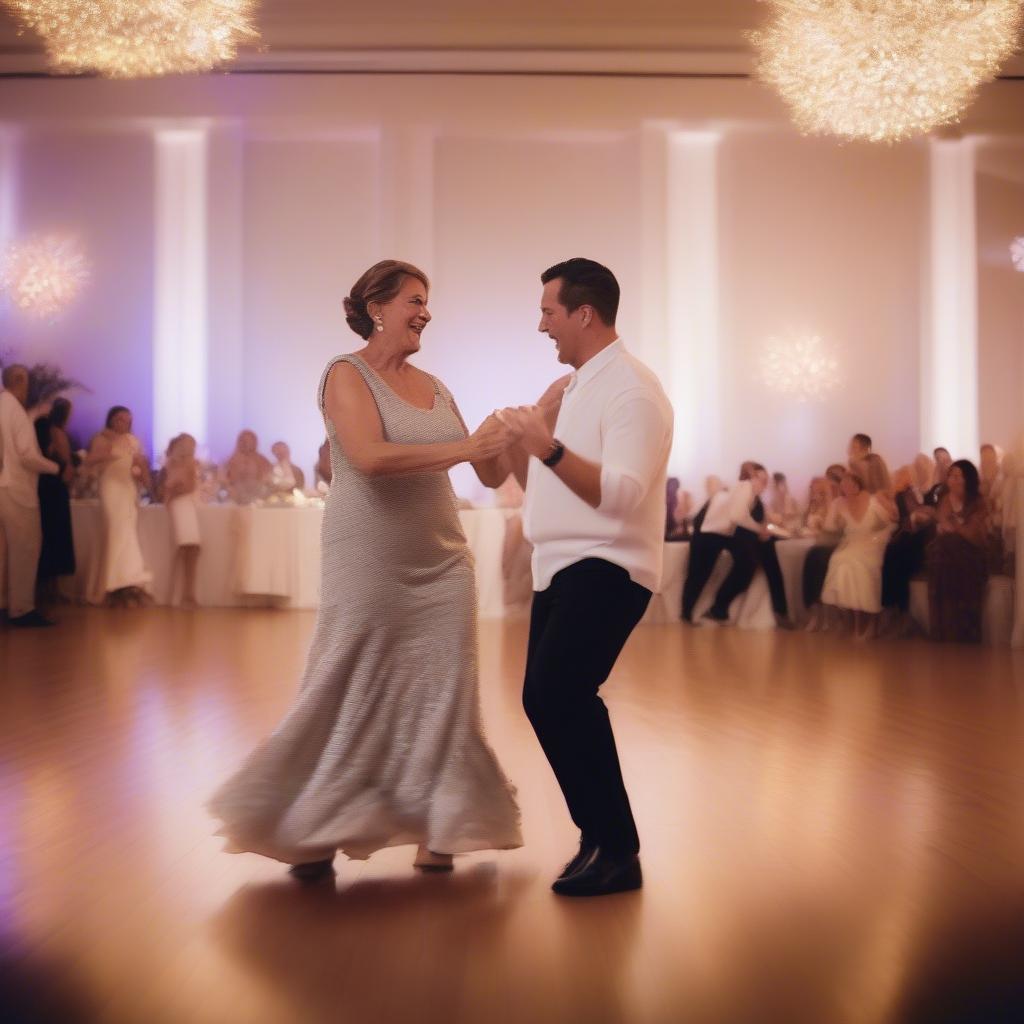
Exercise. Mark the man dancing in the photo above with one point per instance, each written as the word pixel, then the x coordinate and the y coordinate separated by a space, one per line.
pixel 592 458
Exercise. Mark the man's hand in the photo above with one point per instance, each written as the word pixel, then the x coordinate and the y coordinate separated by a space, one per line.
pixel 530 423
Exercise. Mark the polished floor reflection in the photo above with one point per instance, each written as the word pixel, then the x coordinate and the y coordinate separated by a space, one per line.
pixel 832 833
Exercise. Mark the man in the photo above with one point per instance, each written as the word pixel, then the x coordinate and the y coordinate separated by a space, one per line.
pixel 734 521
pixel 21 462
pixel 593 463
pixel 858 448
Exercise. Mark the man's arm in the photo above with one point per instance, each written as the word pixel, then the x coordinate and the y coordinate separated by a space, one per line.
pixel 634 437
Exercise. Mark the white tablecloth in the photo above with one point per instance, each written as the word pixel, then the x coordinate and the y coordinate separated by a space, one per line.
pixel 261 555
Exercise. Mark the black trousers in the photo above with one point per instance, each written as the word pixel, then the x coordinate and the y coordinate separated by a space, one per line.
pixel 578 626
pixel 704 551
pixel 904 557
pixel 748 552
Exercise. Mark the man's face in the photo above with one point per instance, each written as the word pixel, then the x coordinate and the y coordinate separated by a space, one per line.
pixel 561 326
pixel 19 388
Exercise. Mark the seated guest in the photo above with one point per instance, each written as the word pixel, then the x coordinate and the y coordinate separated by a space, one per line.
pixel 854 579
pixel 943 460
pixel 783 509
pixel 284 476
pixel 817 558
pixel 905 552
pixel 819 501
pixel 858 448
pixel 923 472
pixel 57 557
pixel 735 521
pixel 991 484
pixel 878 482
pixel 323 465
pixel 958 564
pixel 677 508
pixel 834 475
pixel 247 471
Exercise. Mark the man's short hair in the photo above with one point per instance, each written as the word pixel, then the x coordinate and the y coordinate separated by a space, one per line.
pixel 750 469
pixel 864 440
pixel 13 373
pixel 586 283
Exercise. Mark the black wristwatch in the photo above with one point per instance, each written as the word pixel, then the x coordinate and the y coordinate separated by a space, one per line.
pixel 555 455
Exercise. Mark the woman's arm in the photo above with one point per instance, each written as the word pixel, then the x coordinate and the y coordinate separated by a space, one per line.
pixel 351 408
pixel 101 452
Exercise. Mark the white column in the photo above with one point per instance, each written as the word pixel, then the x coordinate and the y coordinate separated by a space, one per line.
pixel 9 156
pixel 693 380
pixel 949 351
pixel 180 321
pixel 406 175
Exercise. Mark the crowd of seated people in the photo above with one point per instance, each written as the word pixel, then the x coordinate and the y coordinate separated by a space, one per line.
pixel 872 533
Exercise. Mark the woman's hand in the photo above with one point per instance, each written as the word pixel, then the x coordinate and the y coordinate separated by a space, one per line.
pixel 491 438
pixel 532 426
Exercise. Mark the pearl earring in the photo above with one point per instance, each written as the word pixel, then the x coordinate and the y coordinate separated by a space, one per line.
pixel 380 325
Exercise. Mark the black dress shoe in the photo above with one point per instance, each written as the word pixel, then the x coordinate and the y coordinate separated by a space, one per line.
pixel 585 852
pixel 312 871
pixel 601 876
pixel 31 620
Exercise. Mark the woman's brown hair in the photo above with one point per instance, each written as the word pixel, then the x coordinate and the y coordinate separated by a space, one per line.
pixel 381 283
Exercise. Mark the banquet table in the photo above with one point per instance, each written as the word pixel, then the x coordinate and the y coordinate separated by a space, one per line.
pixel 270 556
pixel 260 555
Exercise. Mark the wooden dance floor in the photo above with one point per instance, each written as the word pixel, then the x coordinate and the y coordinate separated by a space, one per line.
pixel 832 833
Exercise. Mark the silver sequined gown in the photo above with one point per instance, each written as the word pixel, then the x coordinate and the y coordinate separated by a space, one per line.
pixel 383 745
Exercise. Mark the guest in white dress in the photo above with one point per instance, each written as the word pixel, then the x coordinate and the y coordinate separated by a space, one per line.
pixel 383 745
pixel 116 454
pixel 783 509
pixel 285 477
pixel 854 580
pixel 181 494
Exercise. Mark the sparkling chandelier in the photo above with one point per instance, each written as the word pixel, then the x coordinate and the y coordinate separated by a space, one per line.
pixel 43 275
pixel 138 38
pixel 1017 253
pixel 883 70
pixel 800 366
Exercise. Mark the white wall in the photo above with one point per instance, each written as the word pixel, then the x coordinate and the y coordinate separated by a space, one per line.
pixel 485 182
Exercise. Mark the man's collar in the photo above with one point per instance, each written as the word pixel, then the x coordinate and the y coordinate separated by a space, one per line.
pixel 595 364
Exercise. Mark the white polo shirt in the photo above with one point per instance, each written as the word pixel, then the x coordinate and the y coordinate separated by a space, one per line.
pixel 729 509
pixel 615 413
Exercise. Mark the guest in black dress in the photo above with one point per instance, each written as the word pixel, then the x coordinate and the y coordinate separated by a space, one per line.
pixel 58 554
pixel 905 552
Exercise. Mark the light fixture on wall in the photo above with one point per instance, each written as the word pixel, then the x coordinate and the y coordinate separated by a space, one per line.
pixel 139 39
pixel 800 366
pixel 1017 253
pixel 883 70
pixel 43 275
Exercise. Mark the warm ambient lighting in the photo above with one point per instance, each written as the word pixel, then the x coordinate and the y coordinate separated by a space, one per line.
pixel 883 70
pixel 144 38
pixel 800 366
pixel 43 275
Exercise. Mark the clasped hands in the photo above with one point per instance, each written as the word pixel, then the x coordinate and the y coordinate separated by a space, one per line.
pixel 526 425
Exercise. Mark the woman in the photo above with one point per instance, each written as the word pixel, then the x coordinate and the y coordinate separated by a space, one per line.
pixel 854 580
pixel 181 495
pixel 247 471
pixel 383 745
pixel 116 454
pixel 904 554
pixel 958 558
pixel 57 557
pixel 819 501
pixel 285 476
pixel 783 509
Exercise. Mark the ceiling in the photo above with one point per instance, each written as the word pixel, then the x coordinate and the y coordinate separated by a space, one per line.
pixel 628 35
